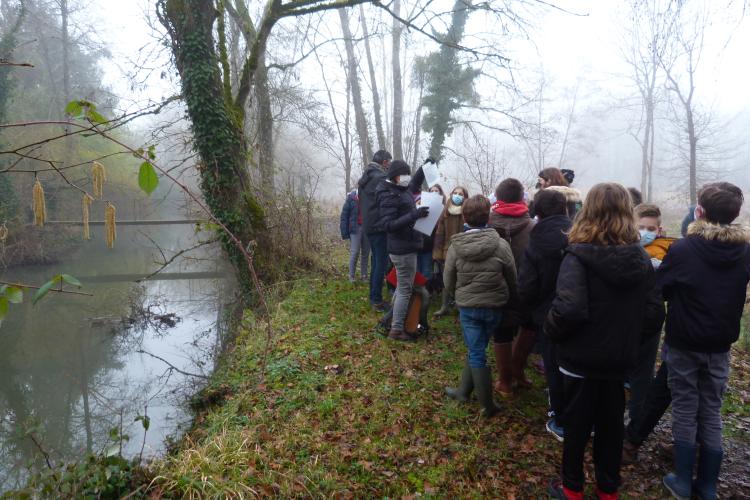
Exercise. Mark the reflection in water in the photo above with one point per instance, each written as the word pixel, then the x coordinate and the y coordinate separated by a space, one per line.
pixel 71 368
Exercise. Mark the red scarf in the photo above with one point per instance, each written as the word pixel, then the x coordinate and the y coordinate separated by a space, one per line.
pixel 517 209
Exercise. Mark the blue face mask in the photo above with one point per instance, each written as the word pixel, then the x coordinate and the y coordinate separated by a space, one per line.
pixel 647 237
pixel 457 199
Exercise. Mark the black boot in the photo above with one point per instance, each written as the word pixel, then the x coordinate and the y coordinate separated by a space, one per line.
pixel 709 463
pixel 483 385
pixel 465 387
pixel 680 482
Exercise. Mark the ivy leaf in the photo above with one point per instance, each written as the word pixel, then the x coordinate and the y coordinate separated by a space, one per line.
pixel 3 307
pixel 145 421
pixel 147 178
pixel 14 295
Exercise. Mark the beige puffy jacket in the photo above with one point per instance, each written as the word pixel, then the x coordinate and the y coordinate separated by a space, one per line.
pixel 479 269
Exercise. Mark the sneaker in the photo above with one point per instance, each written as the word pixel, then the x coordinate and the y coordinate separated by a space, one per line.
pixel 381 329
pixel 558 491
pixel 555 430
pixel 402 336
pixel 380 307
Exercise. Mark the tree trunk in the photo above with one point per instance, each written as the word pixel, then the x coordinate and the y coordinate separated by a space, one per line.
pixel 418 123
pixel 373 79
pixel 398 96
pixel 265 130
pixel 217 130
pixel 360 120
pixel 693 140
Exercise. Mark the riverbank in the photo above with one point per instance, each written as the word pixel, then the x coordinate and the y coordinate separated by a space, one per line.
pixel 344 413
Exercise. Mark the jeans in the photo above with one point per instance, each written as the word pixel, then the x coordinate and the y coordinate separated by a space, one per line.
pixel 379 260
pixel 593 403
pixel 406 268
pixel 641 375
pixel 656 402
pixel 358 245
pixel 478 324
pixel 697 381
pixel 424 264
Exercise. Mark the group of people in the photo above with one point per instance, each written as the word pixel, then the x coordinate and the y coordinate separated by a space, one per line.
pixel 586 282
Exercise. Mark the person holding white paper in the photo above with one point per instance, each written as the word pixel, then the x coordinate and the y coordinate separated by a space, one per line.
pixel 398 214
pixel 451 222
pixel 425 263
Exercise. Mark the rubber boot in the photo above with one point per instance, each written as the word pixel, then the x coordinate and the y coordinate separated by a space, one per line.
pixel 503 355
pixel 521 349
pixel 709 463
pixel 679 482
pixel 483 387
pixel 465 387
pixel 446 307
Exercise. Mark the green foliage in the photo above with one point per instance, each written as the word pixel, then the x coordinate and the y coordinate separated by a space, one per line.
pixel 56 281
pixel 9 295
pixel 449 82
pixel 147 178
pixel 84 110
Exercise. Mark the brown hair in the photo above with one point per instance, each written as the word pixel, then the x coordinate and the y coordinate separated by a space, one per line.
pixel 554 176
pixel 476 211
pixel 509 191
pixel 635 195
pixel 440 188
pixel 450 201
pixel 647 210
pixel 606 217
pixel 549 202
pixel 721 202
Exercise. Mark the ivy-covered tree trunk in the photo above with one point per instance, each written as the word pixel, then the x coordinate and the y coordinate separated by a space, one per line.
pixel 217 128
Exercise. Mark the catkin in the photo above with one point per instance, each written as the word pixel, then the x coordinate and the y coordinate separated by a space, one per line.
pixel 40 208
pixel 3 232
pixel 86 204
pixel 98 176
pixel 110 227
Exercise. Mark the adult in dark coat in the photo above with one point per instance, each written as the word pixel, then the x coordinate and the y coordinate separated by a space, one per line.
pixel 398 214
pixel 351 229
pixel 374 232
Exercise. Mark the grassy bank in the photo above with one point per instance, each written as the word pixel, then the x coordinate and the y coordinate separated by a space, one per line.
pixel 344 413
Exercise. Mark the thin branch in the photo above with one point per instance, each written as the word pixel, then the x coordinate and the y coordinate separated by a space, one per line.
pixel 56 290
pixel 171 366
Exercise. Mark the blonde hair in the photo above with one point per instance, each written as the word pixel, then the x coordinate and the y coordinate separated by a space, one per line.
pixel 606 217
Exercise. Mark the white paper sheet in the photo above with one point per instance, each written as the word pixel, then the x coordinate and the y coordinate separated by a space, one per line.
pixel 431 174
pixel 435 203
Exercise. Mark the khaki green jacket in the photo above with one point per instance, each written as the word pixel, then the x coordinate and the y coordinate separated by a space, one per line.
pixel 479 269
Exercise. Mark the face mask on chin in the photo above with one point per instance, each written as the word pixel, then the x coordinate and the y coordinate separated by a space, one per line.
pixel 647 237
pixel 404 180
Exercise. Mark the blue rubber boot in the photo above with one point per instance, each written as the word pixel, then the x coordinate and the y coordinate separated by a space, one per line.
pixel 709 463
pixel 680 482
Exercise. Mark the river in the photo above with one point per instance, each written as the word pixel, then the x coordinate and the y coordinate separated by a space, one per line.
pixel 72 368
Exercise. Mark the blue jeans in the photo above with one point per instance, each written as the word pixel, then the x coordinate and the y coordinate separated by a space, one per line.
pixel 478 323
pixel 424 264
pixel 379 260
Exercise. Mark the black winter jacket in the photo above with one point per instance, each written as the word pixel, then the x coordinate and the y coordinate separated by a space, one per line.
pixel 398 213
pixel 605 302
pixel 704 280
pixel 541 264
pixel 349 220
pixel 368 203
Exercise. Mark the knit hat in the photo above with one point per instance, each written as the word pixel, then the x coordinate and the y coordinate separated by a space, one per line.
pixel 398 167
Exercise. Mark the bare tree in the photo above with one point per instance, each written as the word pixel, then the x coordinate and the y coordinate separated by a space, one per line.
pixel 398 96
pixel 484 165
pixel 352 70
pixel 373 81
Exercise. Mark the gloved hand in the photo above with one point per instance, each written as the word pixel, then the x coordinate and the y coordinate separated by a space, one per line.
pixel 423 212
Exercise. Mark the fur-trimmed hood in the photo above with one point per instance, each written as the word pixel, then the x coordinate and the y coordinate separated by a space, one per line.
pixel 571 194
pixel 725 233
pixel 721 245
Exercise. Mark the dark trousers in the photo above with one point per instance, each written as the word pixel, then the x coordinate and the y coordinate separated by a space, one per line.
pixel 554 379
pixel 642 375
pixel 593 403
pixel 658 399
pixel 379 262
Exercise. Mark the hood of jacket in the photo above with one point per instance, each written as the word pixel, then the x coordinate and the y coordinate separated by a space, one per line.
pixel 371 170
pixel 621 266
pixel 571 194
pixel 476 244
pixel 721 245
pixel 549 234
pixel 509 225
